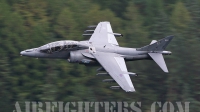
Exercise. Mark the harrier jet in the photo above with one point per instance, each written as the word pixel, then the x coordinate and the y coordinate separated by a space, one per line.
pixel 103 49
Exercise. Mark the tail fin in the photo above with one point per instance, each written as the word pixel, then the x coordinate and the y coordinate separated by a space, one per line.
pixel 155 51
pixel 157 46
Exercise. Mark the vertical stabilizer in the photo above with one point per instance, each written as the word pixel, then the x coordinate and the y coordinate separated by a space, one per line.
pixel 158 58
pixel 159 45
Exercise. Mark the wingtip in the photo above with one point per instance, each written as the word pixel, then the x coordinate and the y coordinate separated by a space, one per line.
pixel 166 71
pixel 131 89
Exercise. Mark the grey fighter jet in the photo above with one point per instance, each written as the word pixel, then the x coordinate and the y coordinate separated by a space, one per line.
pixel 103 49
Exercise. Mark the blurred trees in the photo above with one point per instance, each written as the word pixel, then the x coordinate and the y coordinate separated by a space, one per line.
pixel 26 24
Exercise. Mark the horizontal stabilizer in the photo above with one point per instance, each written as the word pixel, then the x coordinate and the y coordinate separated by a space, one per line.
pixel 158 58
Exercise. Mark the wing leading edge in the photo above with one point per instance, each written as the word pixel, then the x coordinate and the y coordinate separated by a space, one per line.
pixel 116 67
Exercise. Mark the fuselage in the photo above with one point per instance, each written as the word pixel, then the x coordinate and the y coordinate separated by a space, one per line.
pixel 78 51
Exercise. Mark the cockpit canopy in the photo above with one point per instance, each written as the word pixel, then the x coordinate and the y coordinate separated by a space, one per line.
pixel 58 46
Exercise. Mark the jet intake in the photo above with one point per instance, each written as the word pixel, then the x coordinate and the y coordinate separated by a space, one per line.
pixel 115 87
pixel 108 80
pixel 77 57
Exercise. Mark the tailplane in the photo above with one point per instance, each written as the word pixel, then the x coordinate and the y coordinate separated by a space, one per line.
pixel 158 58
pixel 156 49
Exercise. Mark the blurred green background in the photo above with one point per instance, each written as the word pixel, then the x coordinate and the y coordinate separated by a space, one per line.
pixel 27 24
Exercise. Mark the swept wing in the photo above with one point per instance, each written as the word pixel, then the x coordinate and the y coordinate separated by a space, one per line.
pixel 103 34
pixel 111 62
pixel 116 67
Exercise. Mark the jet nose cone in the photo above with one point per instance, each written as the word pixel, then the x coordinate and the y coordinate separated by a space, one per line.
pixel 22 53
pixel 28 52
